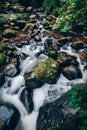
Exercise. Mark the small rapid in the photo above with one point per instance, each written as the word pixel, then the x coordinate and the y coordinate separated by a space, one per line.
pixel 41 96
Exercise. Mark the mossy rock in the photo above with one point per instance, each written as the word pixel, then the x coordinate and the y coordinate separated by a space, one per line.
pixel 47 23
pixel 52 54
pixel 28 26
pixel 48 71
pixel 8 33
pixel 2 58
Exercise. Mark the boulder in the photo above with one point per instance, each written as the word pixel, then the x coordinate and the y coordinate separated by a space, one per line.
pixel 72 72
pixel 77 45
pixel 26 98
pixel 48 71
pixel 57 116
pixel 8 33
pixel 32 82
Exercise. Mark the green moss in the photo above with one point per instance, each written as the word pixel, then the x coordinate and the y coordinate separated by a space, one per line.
pixel 2 58
pixel 77 97
pixel 47 71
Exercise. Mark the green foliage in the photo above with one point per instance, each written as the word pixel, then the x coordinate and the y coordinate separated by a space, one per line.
pixel 72 16
pixel 11 16
pixel 83 128
pixel 50 5
pixel 78 97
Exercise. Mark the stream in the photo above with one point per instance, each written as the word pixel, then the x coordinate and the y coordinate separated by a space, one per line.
pixel 48 92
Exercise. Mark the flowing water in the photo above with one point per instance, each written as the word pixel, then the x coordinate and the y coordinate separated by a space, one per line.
pixel 47 93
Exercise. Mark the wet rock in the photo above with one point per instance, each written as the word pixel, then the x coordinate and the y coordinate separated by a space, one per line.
pixel 29 9
pixel 64 40
pixel 2 58
pixel 33 16
pixel 77 45
pixel 37 38
pixel 8 33
pixel 32 82
pixel 3 126
pixel 50 44
pixel 52 54
pixel 2 78
pixel 48 71
pixel 20 23
pixel 72 72
pixel 57 116
pixel 65 59
pixel 10 70
pixel 1 37
pixel 26 98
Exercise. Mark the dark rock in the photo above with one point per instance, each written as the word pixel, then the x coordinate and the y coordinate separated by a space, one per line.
pixel 65 59
pixel 8 33
pixel 64 40
pixel 77 45
pixel 50 44
pixel 10 70
pixel 72 72
pixel 57 116
pixel 26 98
pixel 2 78
pixel 52 54
pixel 20 23
pixel 32 82
pixel 1 37
pixel 48 71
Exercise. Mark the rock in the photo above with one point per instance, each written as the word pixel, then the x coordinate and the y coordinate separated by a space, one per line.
pixel 72 72
pixel 26 98
pixel 10 70
pixel 1 37
pixel 50 44
pixel 52 54
pixel 18 8
pixel 64 40
pixel 65 59
pixel 8 33
pixel 29 26
pixel 33 16
pixel 48 71
pixel 3 126
pixel 77 45
pixel 2 59
pixel 20 23
pixel 32 82
pixel 29 9
pixel 37 38
pixel 10 116
pixel 2 78
pixel 57 116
